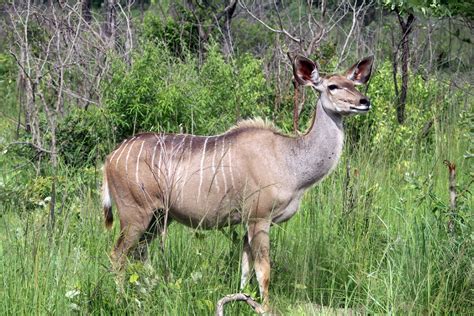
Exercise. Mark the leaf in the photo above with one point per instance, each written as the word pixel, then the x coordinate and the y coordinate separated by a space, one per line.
pixel 72 293
pixel 209 304
pixel 300 286
pixel 196 276
pixel 134 278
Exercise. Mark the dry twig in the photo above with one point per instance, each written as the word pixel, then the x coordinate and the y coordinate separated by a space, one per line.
pixel 238 297
pixel 452 194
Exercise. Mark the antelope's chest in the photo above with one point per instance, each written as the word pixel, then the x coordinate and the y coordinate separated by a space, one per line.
pixel 288 208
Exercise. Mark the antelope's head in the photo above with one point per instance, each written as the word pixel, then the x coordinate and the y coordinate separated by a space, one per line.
pixel 338 92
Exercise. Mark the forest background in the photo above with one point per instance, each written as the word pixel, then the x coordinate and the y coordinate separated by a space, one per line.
pixel 390 231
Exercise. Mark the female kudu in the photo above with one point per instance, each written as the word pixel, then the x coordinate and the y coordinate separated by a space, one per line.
pixel 251 174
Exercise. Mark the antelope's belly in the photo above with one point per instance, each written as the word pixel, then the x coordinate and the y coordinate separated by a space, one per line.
pixel 209 216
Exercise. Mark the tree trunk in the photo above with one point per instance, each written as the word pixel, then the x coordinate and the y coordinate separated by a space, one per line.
pixel 110 25
pixel 128 36
pixel 406 30
pixel 86 10
pixel 227 47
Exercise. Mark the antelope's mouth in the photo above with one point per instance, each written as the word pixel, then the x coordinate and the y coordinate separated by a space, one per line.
pixel 360 109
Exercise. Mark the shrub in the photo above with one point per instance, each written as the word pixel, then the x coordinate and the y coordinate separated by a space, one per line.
pixel 427 100
pixel 84 137
pixel 178 37
pixel 164 93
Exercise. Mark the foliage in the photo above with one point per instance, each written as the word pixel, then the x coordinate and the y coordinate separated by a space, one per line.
pixel 7 68
pixel 390 252
pixel 252 37
pixel 7 92
pixel 179 37
pixel 84 137
pixel 463 8
pixel 371 239
pixel 428 101
pixel 163 93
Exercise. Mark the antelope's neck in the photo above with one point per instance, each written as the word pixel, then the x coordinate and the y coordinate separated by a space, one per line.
pixel 315 154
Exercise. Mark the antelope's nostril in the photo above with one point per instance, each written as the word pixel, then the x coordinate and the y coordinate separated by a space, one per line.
pixel 364 102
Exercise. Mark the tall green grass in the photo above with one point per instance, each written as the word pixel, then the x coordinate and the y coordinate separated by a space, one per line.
pixel 373 242
pixel 371 238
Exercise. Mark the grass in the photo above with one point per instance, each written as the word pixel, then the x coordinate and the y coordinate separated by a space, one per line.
pixel 370 239
pixel 384 250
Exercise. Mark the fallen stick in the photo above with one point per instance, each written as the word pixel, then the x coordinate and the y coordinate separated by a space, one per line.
pixel 238 297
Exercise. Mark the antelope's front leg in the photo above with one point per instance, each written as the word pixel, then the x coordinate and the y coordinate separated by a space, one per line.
pixel 260 248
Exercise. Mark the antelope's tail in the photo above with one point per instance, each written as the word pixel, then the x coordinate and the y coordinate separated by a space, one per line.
pixel 107 201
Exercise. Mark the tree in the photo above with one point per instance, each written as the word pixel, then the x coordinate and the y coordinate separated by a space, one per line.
pixel 86 10
pixel 212 15
pixel 406 12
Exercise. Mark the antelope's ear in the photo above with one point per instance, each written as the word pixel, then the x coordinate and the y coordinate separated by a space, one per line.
pixel 360 72
pixel 305 71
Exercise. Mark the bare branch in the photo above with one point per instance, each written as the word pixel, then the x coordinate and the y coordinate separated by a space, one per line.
pixel 355 14
pixel 238 297
pixel 38 148
pixel 282 31
pixel 452 195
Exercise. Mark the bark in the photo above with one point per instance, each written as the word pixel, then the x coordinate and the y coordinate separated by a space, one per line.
pixel 129 36
pixel 48 67
pixel 296 114
pixel 452 195
pixel 86 10
pixel 227 13
pixel 227 47
pixel 110 25
pixel 407 27
pixel 203 32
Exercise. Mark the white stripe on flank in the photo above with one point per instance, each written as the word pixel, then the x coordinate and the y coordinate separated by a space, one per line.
pixel 182 142
pixel 181 147
pixel 172 143
pixel 123 149
pixel 178 150
pixel 162 144
pixel 153 156
pixel 179 165
pixel 187 165
pixel 202 166
pixel 115 152
pixel 230 165
pixel 169 158
pixel 214 174
pixel 138 161
pixel 222 164
pixel 126 159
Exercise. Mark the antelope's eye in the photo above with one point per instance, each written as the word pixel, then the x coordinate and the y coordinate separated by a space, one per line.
pixel 333 87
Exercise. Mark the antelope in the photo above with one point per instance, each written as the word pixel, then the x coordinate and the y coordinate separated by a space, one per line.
pixel 252 174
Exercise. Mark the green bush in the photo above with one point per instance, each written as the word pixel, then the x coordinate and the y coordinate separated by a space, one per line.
pixel 84 137
pixel 428 102
pixel 7 87
pixel 163 93
pixel 178 37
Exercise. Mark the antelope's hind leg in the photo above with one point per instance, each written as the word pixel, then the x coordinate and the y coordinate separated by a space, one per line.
pixel 155 227
pixel 132 228
pixel 129 236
